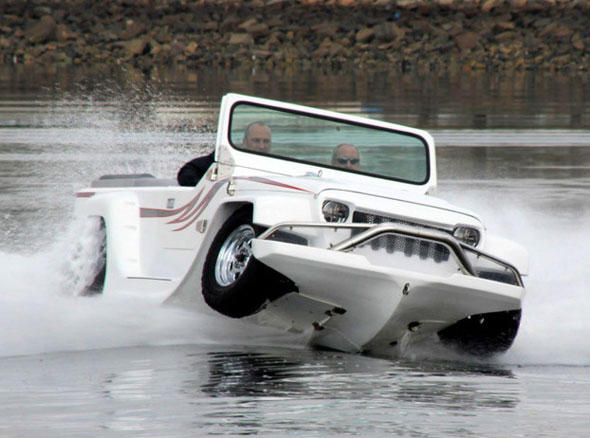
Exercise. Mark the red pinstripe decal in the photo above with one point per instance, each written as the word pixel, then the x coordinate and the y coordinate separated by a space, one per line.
pixel 272 183
pixel 191 211
pixel 158 212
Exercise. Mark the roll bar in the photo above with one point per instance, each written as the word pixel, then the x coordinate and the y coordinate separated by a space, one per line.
pixel 371 231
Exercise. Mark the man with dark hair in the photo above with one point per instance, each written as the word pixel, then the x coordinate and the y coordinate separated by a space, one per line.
pixel 190 173
pixel 256 138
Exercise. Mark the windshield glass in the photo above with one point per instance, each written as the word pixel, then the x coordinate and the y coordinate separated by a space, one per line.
pixel 329 143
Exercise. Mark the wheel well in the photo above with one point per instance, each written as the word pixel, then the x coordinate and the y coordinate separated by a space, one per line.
pixel 254 283
pixel 225 211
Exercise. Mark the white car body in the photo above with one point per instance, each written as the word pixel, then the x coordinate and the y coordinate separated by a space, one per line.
pixel 343 287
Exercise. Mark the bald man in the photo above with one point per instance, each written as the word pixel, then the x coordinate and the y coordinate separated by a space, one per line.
pixel 257 137
pixel 346 156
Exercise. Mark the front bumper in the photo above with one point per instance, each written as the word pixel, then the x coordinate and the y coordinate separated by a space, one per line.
pixel 384 295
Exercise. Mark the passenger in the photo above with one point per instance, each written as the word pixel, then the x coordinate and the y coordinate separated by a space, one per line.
pixel 346 156
pixel 256 138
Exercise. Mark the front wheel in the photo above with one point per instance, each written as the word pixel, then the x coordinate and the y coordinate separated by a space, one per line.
pixel 234 283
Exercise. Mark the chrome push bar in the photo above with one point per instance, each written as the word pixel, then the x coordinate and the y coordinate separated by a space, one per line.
pixel 372 231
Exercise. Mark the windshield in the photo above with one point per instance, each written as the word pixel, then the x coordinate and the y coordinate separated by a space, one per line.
pixel 329 142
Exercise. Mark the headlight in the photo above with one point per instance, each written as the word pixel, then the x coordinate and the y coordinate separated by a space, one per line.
pixel 335 211
pixel 467 235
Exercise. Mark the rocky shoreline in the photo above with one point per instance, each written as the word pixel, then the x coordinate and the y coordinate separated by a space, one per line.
pixel 403 35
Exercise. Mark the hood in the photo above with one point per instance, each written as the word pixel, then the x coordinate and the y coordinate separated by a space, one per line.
pixel 381 198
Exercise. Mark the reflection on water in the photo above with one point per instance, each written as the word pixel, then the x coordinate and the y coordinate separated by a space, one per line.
pixel 523 100
pixel 330 392
pixel 255 373
pixel 172 390
pixel 240 374
pixel 180 390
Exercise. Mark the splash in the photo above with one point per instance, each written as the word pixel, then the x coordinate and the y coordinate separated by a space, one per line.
pixel 42 307
pixel 47 258
pixel 552 224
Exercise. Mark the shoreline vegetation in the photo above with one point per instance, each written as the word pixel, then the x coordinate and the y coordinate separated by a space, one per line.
pixel 373 35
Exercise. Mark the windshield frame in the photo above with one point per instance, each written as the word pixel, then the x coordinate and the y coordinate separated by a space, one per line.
pixel 370 124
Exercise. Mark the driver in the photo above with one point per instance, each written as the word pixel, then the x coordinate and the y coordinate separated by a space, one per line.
pixel 257 137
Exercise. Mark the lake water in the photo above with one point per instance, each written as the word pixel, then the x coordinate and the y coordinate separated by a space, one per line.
pixel 514 149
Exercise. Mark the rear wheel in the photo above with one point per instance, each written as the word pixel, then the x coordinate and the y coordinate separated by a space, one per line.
pixel 88 257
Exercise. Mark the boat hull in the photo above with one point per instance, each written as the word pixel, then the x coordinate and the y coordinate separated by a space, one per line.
pixel 364 307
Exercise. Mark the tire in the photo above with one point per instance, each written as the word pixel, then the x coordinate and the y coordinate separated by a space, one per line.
pixel 483 335
pixel 97 285
pixel 234 283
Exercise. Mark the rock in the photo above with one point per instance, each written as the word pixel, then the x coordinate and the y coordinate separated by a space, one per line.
pixel 161 53
pixel 488 5
pixel 326 29
pixel 63 33
pixel 163 35
pixel 246 24
pixel 155 48
pixel 388 32
pixel 107 35
pixel 260 53
pixel 231 22
pixel 532 42
pixel 132 29
pixel 42 31
pixel 466 41
pixel 408 4
pixel 273 42
pixel 518 4
pixel 562 60
pixel 504 25
pixel 191 48
pixel 210 26
pixel 577 42
pixel 40 11
pixel 562 32
pixel 241 39
pixel 338 50
pixel 323 49
pixel 504 36
pixel 412 48
pixel 134 47
pixel 177 49
pixel 365 35
pixel 257 30
pixel 271 3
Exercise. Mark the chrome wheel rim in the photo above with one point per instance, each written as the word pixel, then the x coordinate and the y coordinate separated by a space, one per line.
pixel 234 255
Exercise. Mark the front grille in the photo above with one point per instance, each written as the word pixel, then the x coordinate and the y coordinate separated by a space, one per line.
pixel 394 243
